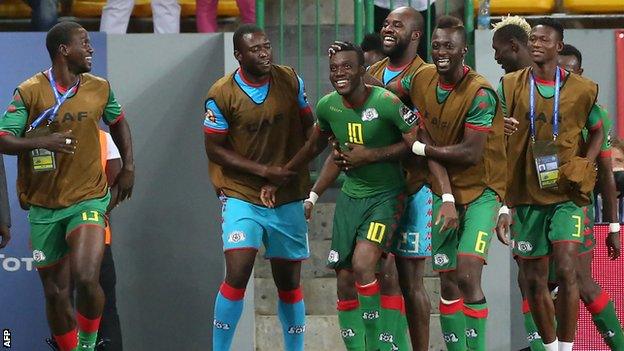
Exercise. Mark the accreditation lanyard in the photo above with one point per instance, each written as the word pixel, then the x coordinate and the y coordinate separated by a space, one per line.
pixel 60 99
pixel 555 118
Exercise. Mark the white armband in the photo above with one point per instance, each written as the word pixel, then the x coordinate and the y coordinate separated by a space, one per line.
pixel 448 198
pixel 503 210
pixel 418 148
pixel 614 227
pixel 312 198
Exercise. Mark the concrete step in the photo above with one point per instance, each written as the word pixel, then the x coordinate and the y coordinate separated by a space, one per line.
pixel 322 334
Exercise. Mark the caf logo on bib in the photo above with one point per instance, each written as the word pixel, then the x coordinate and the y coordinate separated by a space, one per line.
pixel 369 114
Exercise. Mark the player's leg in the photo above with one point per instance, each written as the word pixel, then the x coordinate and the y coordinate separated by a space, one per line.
pixel 533 337
pixel 352 327
pixel 476 233
pixel 110 328
pixel 57 290
pixel 286 246
pixel 242 236
pixel 391 301
pixel 115 16
pixel 85 238
pixel 166 15
pixel 531 249
pixel 566 232
pixel 411 249
pixel 444 253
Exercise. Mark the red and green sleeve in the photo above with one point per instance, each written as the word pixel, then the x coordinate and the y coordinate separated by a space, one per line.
pixel 482 111
pixel 15 117
pixel 113 112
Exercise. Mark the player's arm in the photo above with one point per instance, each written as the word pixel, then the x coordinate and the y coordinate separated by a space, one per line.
pixel 112 169
pixel 469 151
pixel 5 209
pixel 511 124
pixel 316 143
pixel 596 134
pixel 329 174
pixel 13 125
pixel 120 132
pixel 305 111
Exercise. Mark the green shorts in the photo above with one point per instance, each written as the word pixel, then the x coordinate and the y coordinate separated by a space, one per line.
pixel 472 237
pixel 373 218
pixel 49 228
pixel 535 228
pixel 589 240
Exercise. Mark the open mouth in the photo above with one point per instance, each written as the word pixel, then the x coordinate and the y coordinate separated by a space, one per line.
pixel 88 59
pixel 443 62
pixel 342 83
pixel 389 40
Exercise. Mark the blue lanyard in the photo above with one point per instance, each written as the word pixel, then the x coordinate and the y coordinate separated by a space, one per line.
pixel 555 118
pixel 60 99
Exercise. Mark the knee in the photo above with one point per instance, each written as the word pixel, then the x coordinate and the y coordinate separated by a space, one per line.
pixel 467 283
pixel 55 294
pixel 566 274
pixel 449 289
pixel 535 284
pixel 86 279
pixel 364 274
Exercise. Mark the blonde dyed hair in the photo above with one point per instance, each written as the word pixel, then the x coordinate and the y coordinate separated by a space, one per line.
pixel 513 20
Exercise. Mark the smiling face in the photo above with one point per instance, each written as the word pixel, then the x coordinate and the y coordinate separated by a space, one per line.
pixel 78 52
pixel 448 49
pixel 345 72
pixel 397 31
pixel 255 55
pixel 544 44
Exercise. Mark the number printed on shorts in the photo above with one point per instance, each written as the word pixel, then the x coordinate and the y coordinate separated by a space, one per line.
pixel 376 232
pixel 481 243
pixel 91 216
pixel 577 226
pixel 355 133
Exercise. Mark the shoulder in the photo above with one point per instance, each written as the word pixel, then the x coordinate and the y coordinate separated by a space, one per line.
pixel 33 81
pixel 378 66
pixel 286 72
pixel 514 76
pixel 327 100
pixel 383 95
pixel 220 85
pixel 581 80
pixel 94 81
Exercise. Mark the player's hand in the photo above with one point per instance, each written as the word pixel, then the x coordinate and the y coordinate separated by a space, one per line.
pixel 63 142
pixel 334 48
pixel 277 175
pixel 5 233
pixel 511 125
pixel 267 195
pixel 613 245
pixel 424 136
pixel 502 228
pixel 307 209
pixel 113 202
pixel 355 156
pixel 449 213
pixel 123 184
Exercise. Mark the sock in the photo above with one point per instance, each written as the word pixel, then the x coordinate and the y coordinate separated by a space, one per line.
pixel 403 340
pixel 605 319
pixel 87 332
pixel 67 341
pixel 227 311
pixel 369 298
pixel 391 327
pixel 453 324
pixel 533 337
pixel 553 346
pixel 476 320
pixel 291 312
pixel 351 325
pixel 565 346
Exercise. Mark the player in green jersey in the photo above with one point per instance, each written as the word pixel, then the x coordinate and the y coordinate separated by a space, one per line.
pixel 371 201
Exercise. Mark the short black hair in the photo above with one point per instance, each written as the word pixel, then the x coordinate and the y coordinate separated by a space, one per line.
pixel 371 42
pixel 570 50
pixel 451 22
pixel 552 23
pixel 512 31
pixel 60 34
pixel 241 31
pixel 348 46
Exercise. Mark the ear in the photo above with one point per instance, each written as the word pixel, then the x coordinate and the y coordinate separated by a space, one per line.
pixel 559 46
pixel 416 35
pixel 63 49
pixel 464 50
pixel 237 55
pixel 514 45
pixel 580 71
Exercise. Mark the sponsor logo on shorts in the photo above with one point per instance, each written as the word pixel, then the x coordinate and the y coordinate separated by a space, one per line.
pixel 369 114
pixel 333 256
pixel 386 337
pixel 441 259
pixel 296 329
pixel 38 256
pixel 370 315
pixel 471 333
pixel 347 333
pixel 524 246
pixel 450 338
pixel 236 237
pixel 221 325
pixel 533 336
pixel 408 116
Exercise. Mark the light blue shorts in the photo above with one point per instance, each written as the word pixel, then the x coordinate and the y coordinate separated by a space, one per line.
pixel 413 238
pixel 283 229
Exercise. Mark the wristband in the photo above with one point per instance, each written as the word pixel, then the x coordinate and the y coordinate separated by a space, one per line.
pixel 614 227
pixel 312 198
pixel 448 198
pixel 418 148
pixel 503 210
